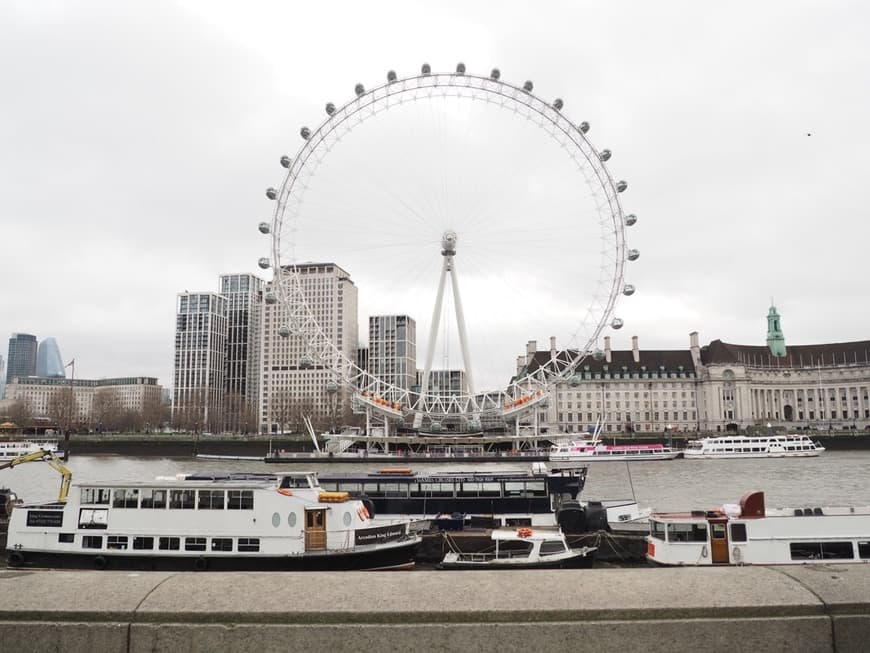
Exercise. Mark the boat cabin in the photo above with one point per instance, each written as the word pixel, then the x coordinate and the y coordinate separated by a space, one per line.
pixel 750 533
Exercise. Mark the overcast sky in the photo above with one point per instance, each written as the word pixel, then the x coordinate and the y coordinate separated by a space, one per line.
pixel 137 138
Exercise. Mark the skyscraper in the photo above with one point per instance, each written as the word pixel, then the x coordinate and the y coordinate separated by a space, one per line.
pixel 48 360
pixel 244 297
pixel 294 385
pixel 2 378
pixel 22 356
pixel 200 361
pixel 393 349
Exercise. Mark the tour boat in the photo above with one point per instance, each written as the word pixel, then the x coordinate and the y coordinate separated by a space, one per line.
pixel 10 450
pixel 522 548
pixel 537 496
pixel 594 450
pixel 282 522
pixel 748 533
pixel 741 446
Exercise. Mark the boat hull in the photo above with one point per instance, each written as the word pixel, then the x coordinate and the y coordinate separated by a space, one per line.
pixel 577 560
pixel 399 556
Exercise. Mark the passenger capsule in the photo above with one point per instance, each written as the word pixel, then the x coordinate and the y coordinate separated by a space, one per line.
pixel 271 193
pixel 264 227
pixel 460 68
pixel 332 387
pixel 605 155
pixel 284 331
pixel 617 323
pixel 270 298
pixel 574 381
pixel 495 74
pixel 330 108
pixel 286 161
pixel 359 89
pixel 628 290
pixel 391 76
pixel 528 86
pixel 584 126
pixel 306 362
pixel 558 104
pixel 425 69
pixel 633 254
pixel 305 133
pixel 630 219
pixel 264 263
pixel 621 186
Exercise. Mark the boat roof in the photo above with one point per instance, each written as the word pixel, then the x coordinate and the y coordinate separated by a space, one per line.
pixel 530 534
pixel 408 475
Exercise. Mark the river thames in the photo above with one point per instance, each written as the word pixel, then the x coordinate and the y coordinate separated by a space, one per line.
pixel 833 478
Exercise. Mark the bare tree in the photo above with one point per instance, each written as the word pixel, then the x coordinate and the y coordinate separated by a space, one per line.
pixel 105 410
pixel 20 413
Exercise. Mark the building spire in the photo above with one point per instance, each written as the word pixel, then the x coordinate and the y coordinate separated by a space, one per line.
pixel 775 338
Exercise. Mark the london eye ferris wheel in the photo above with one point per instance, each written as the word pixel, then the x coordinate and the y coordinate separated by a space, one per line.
pixel 435 177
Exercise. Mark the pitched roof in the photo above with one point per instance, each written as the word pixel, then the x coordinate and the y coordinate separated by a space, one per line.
pixel 837 353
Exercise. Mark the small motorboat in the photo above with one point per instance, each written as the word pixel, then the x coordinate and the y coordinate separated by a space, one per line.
pixel 523 548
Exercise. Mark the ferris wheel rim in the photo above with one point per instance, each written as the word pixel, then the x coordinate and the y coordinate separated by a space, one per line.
pixel 302 317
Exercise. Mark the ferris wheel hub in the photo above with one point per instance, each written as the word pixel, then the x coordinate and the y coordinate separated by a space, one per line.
pixel 448 243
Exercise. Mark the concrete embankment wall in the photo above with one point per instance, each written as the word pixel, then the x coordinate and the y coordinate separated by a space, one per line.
pixel 806 608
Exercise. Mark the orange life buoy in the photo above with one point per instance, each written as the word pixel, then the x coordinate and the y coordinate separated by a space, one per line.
pixel 363 513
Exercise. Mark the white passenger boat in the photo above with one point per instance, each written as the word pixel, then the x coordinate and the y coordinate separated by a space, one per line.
pixel 593 450
pixel 10 450
pixel 286 522
pixel 523 548
pixel 741 446
pixel 751 534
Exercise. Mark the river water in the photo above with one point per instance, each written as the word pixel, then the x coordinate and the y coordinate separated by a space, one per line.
pixel 833 478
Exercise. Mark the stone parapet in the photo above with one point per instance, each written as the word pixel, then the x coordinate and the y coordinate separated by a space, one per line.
pixel 787 608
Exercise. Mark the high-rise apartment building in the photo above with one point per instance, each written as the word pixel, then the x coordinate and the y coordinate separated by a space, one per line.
pixel 244 297
pixel 200 361
pixel 294 384
pixel 2 378
pixel 48 360
pixel 393 350
pixel 22 356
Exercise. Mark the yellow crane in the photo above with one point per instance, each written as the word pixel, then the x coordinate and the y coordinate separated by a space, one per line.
pixel 51 459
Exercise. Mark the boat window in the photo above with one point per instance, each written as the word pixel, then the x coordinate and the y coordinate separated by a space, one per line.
pixel 194 544
pixel 435 490
pixel 550 547
pixel 95 496
pixel 295 481
pixel 514 488
pixel 515 548
pixel 221 544
pixel 240 500
pixel 536 488
pixel 92 541
pixel 738 532
pixel 371 489
pixel 116 542
pixel 181 499
pixel 210 500
pixel 66 537
pixel 93 518
pixel 154 499
pixel 687 533
pixel 249 544
pixel 125 498
pixel 479 489
pixel 657 530
pixel 394 490
pixel 821 551
pixel 169 543
pixel 864 550
pixel 143 543
pixel 717 531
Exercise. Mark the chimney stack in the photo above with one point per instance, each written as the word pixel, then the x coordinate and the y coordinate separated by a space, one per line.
pixel 552 346
pixel 607 355
pixel 531 348
pixel 635 352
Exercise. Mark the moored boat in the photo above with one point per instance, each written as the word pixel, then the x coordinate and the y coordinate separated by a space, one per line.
pixel 741 446
pixel 749 533
pixel 280 522
pixel 593 450
pixel 10 450
pixel 522 548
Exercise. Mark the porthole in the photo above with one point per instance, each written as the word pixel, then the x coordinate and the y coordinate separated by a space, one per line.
pixel 347 518
pixel 276 519
pixel 291 519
